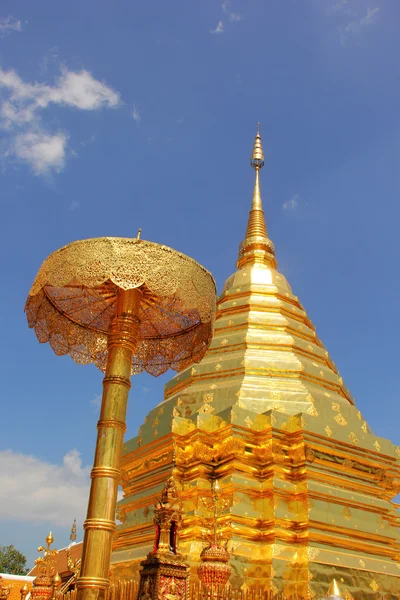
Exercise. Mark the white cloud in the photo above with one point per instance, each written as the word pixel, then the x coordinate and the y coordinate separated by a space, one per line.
pixel 369 18
pixel 37 491
pixel 292 203
pixel 21 114
pixel 232 16
pixel 41 151
pixel 354 15
pixel 219 28
pixel 74 204
pixel 9 24
pixel 136 115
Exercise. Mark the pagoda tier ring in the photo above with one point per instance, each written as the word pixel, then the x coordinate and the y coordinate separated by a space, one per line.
pixel 72 302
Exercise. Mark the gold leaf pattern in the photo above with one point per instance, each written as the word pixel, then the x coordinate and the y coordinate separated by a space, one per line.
pixel 377 445
pixel 218 367
pixel 359 416
pixel 362 563
pixel 364 427
pixel 340 419
pixel 312 411
pixel 313 553
pixel 224 342
pixel 327 394
pixel 374 586
pixel 336 406
pixel 208 397
pixel 328 431
pixel 353 438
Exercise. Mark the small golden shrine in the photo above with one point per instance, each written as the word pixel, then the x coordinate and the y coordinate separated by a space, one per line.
pixel 307 487
pixel 165 574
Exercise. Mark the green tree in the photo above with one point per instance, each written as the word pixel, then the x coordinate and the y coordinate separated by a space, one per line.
pixel 12 561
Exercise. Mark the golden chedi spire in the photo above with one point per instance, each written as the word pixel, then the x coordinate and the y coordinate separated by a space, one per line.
pixel 306 486
pixel 256 246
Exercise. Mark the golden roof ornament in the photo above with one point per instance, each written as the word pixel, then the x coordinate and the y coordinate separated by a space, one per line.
pixel 72 535
pixel 334 591
pixel 43 584
pixel 47 562
pixel 167 519
pixel 256 246
pixel 24 591
pixel 214 570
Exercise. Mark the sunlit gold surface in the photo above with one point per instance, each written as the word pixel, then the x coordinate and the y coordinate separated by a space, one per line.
pixel 72 302
pixel 308 486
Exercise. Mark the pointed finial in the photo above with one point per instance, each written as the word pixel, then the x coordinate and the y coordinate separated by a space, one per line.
pixel 257 158
pixel 256 246
pixel 72 536
pixel 334 590
pixel 49 539
pixel 139 233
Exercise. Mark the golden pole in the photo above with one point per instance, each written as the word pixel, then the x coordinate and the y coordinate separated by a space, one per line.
pixel 100 522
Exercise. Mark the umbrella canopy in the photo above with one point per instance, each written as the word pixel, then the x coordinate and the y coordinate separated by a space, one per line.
pixel 72 302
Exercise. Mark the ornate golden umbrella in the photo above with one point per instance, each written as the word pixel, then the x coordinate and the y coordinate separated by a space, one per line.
pixel 127 305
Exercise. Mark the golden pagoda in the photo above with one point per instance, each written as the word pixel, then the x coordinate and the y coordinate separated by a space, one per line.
pixel 307 487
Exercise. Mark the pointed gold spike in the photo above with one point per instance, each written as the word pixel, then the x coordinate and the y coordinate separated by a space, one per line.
pixel 257 247
pixel 257 158
pixel 334 590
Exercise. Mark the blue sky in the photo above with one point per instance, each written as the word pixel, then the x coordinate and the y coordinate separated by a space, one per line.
pixel 122 115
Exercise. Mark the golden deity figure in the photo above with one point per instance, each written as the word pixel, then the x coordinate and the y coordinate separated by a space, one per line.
pixel 5 589
pixel 127 305
pixel 309 487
